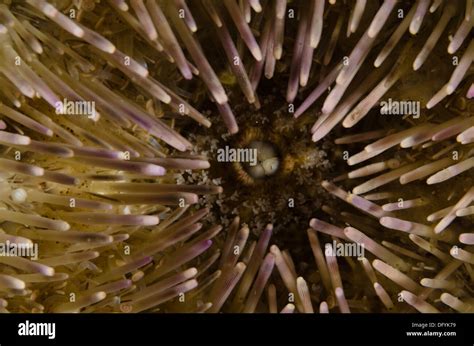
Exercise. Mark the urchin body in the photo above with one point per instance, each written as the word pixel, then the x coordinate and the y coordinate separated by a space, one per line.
pixel 125 206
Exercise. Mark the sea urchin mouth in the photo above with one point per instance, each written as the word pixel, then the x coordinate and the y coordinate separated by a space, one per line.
pixel 264 160
pixel 282 185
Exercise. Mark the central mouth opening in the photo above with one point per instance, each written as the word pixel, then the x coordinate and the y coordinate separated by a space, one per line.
pixel 269 171
pixel 264 160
